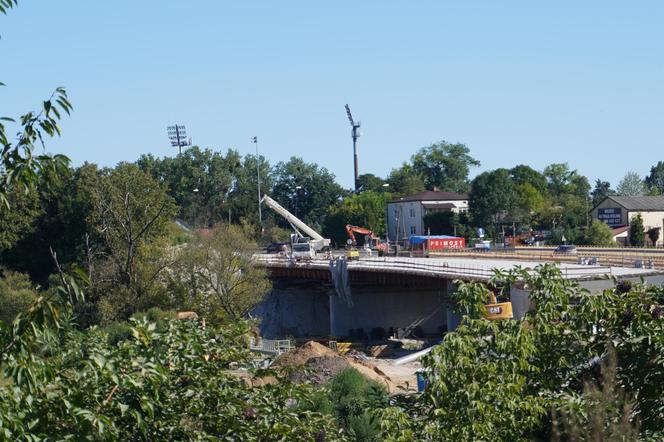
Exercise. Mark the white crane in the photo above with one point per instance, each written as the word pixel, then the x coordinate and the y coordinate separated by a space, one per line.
pixel 316 242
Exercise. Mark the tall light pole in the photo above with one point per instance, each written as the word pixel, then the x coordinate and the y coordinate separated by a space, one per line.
pixel 385 187
pixel 355 134
pixel 258 180
pixel 178 136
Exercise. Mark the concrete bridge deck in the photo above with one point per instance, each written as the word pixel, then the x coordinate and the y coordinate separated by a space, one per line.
pixel 453 267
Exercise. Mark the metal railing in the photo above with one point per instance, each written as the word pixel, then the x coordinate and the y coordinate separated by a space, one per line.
pixel 271 346
pixel 426 267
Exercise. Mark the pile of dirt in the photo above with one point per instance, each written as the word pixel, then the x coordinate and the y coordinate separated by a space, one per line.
pixel 316 363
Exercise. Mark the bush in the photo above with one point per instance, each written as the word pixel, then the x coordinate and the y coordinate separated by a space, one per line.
pixel 354 399
pixel 16 294
pixel 117 332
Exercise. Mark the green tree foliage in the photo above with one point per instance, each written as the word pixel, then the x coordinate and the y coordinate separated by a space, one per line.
pixel 306 190
pixel 492 198
pixel 205 184
pixel 637 235
pixel 218 276
pixel 405 181
pixel 354 401
pixel 504 380
pixel 568 193
pixel 130 209
pixel 169 385
pixel 20 220
pixel 599 234
pixel 523 174
pixel 447 223
pixel 655 180
pixel 653 235
pixel 602 190
pixel 64 205
pixel 366 209
pixel 17 293
pixel 631 185
pixel 444 165
pixel 368 182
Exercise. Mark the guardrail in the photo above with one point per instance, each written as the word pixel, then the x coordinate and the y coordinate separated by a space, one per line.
pixel 431 267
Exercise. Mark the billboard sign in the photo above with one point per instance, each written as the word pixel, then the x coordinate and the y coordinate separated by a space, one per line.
pixel 611 216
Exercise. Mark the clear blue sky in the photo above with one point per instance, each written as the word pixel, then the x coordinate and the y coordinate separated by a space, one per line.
pixel 518 82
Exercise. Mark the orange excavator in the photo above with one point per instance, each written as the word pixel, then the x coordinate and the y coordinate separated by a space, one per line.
pixel 374 241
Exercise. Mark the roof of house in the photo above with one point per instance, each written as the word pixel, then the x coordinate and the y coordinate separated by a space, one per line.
pixel 640 203
pixel 433 195
pixel 619 230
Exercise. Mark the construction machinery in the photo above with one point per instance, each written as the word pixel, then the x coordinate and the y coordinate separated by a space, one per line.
pixel 306 241
pixel 374 242
pixel 498 310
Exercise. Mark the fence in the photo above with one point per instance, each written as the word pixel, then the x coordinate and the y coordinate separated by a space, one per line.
pixel 271 346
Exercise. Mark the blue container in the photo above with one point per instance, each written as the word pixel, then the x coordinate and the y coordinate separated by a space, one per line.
pixel 421 381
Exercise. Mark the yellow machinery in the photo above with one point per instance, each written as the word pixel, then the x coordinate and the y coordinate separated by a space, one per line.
pixel 352 254
pixel 498 310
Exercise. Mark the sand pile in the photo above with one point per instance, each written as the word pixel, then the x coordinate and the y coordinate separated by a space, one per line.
pixel 316 363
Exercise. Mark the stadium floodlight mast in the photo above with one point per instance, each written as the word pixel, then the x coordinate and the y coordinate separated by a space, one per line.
pixel 178 136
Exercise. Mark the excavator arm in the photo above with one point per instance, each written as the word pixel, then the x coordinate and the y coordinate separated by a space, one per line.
pixel 352 230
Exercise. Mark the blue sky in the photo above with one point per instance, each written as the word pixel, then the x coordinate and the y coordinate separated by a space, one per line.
pixel 518 82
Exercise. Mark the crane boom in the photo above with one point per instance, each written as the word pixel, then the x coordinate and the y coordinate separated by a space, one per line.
pixel 292 219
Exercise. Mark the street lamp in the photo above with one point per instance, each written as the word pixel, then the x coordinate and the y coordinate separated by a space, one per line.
pixel 195 206
pixel 387 216
pixel 297 197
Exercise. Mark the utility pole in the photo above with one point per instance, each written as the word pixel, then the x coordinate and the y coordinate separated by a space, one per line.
pixel 258 179
pixel 355 134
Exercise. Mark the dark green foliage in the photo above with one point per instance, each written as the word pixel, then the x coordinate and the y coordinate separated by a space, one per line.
pixel 366 209
pixel 653 235
pixel 17 293
pixel 602 190
pixel 505 380
pixel 492 198
pixel 405 181
pixel 117 331
pixel 353 400
pixel 444 166
pixel 599 234
pixel 655 180
pixel 637 235
pixel 448 223
pixel 306 190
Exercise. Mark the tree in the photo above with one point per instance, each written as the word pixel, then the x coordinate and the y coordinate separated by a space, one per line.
pixel 202 183
pixel 631 185
pixel 306 190
pixel 130 209
pixel 492 198
pixel 222 279
pixel 602 190
pixel 655 180
pixel 64 205
pixel 444 165
pixel 17 293
pixel 366 209
pixel 405 181
pixel 368 182
pixel 637 236
pixel 523 174
pixel 20 220
pixel 653 235
pixel 599 234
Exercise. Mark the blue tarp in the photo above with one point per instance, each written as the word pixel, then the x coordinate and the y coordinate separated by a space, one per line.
pixel 419 239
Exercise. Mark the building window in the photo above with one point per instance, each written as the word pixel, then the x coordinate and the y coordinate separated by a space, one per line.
pixel 412 229
pixel 412 212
